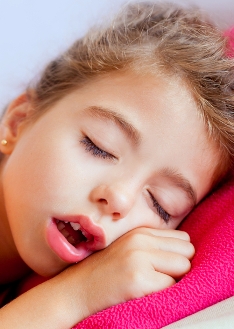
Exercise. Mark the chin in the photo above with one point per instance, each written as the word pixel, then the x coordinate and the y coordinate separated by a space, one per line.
pixel 48 268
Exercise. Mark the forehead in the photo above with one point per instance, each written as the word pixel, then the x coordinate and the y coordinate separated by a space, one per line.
pixel 160 102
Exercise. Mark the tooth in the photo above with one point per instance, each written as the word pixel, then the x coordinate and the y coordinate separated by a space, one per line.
pixel 75 226
pixel 64 233
pixel 60 226
pixel 84 232
pixel 71 239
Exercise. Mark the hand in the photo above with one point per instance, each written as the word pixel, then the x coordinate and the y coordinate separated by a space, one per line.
pixel 140 262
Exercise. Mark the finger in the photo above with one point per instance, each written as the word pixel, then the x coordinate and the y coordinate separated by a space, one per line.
pixel 161 232
pixel 171 234
pixel 169 263
pixel 155 282
pixel 145 240
pixel 174 245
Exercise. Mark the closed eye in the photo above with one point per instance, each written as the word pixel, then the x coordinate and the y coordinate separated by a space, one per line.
pixel 95 150
pixel 161 212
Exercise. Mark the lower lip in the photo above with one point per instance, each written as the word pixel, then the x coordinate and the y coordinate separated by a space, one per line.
pixel 59 244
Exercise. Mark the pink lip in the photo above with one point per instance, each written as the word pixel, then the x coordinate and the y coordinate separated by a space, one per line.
pixel 67 252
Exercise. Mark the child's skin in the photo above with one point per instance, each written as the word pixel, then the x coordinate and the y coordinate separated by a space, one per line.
pixel 133 191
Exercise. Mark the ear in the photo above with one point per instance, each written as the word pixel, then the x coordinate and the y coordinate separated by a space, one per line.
pixel 13 121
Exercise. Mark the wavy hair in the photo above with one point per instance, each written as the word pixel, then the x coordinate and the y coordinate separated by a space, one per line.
pixel 153 37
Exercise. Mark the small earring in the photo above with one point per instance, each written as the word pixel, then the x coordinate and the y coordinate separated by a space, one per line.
pixel 4 142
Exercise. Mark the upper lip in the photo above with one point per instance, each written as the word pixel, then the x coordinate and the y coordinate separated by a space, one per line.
pixel 99 238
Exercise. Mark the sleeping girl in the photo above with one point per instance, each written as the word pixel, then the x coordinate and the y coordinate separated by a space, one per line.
pixel 104 156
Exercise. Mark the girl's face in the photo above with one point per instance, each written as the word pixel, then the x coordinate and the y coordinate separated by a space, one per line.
pixel 120 153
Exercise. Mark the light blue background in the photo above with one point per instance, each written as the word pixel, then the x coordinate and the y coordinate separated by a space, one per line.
pixel 33 32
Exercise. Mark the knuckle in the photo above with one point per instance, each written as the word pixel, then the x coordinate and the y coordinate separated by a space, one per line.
pixel 131 258
pixel 135 240
pixel 135 282
pixel 137 230
pixel 137 278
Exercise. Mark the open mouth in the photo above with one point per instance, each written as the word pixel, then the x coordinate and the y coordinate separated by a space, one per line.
pixel 74 238
pixel 73 232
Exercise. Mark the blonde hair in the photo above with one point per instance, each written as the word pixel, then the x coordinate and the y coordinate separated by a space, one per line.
pixel 154 37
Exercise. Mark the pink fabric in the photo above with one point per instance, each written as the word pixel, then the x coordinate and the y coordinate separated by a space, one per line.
pixel 211 228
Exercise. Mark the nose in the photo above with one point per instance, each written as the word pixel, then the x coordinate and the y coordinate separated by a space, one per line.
pixel 112 200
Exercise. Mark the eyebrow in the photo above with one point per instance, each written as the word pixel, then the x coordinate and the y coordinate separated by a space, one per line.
pixel 183 183
pixel 110 115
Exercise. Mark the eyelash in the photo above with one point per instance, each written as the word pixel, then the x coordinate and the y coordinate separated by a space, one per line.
pixel 161 212
pixel 97 152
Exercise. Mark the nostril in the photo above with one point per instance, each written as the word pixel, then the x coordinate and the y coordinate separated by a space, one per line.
pixel 103 201
pixel 116 215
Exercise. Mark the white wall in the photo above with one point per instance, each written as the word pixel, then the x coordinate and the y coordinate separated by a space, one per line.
pixel 33 32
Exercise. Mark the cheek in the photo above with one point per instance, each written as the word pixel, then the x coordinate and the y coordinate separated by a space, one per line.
pixel 30 181
pixel 50 177
pixel 140 216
